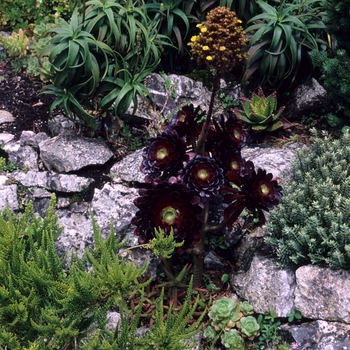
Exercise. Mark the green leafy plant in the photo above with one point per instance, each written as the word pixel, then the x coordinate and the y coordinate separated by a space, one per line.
pixel 100 59
pixel 40 302
pixel 311 226
pixel 294 315
pixel 16 44
pixel 269 330
pixel 260 112
pixel 231 322
pixel 280 43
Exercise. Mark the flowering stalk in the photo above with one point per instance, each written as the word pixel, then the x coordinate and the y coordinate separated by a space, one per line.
pixel 180 185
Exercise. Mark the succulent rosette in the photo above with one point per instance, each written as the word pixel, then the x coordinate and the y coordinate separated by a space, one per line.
pixel 164 154
pixel 168 206
pixel 187 122
pixel 254 190
pixel 229 157
pixel 230 132
pixel 203 175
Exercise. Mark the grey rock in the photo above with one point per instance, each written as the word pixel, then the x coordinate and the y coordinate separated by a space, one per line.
pixel 265 286
pixel 24 157
pixel 6 117
pixel 275 160
pixel 68 152
pixel 59 124
pixel 6 138
pixel 8 196
pixel 320 335
pixel 29 138
pixel 309 97
pixel 3 179
pixel 53 181
pixel 128 169
pixel 212 261
pixel 323 293
pixel 185 90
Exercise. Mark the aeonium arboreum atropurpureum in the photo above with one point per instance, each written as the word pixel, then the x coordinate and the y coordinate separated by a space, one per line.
pixel 197 159
pixel 180 185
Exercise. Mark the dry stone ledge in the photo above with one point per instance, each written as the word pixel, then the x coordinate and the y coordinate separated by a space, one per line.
pixel 68 152
pixel 265 286
pixel 6 117
pixel 323 293
pixel 53 181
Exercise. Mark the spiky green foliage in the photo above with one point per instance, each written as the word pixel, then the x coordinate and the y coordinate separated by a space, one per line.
pixel 169 331
pixel 312 222
pixel 44 306
pixel 173 332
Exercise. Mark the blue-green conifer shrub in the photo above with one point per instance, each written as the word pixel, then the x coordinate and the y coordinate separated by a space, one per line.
pixel 312 222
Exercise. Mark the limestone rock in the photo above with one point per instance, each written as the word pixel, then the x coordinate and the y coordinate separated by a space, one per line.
pixel 320 335
pixel 5 138
pixel 53 181
pixel 24 157
pixel 265 286
pixel 309 97
pixel 8 195
pixel 68 152
pixel 323 293
pixel 6 117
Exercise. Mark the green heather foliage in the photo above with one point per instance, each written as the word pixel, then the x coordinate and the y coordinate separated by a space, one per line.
pixel 312 222
pixel 44 306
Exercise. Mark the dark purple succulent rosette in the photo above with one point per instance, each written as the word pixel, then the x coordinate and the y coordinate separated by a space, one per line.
pixel 230 132
pixel 203 175
pixel 229 157
pixel 164 154
pixel 187 122
pixel 254 190
pixel 168 205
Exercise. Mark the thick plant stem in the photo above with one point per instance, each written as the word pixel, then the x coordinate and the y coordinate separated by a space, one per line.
pixel 198 252
pixel 206 125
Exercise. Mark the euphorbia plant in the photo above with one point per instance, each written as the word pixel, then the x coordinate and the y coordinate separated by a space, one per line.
pixel 196 159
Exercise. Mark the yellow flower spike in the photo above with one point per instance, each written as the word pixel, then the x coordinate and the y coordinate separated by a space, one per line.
pixel 209 58
pixel 203 30
pixel 239 21
pixel 222 48
pixel 199 25
pixel 194 38
pixel 205 48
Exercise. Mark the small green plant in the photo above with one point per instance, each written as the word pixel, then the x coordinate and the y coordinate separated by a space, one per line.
pixel 7 166
pixel 231 323
pixel 16 44
pixel 260 112
pixel 228 102
pixel 269 330
pixel 294 315
pixel 312 224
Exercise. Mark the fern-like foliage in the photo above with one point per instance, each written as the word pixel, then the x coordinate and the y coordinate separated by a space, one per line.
pixel 312 222
pixel 169 331
pixel 44 306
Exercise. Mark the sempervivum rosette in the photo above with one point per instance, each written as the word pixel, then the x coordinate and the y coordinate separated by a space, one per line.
pixel 164 154
pixel 254 190
pixel 168 205
pixel 203 175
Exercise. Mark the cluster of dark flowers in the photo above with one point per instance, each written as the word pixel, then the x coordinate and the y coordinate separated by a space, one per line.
pixel 179 181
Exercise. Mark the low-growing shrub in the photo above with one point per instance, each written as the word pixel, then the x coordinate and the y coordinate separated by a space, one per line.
pixel 312 222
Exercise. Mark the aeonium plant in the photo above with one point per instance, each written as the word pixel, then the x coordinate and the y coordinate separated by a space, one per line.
pixel 195 160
